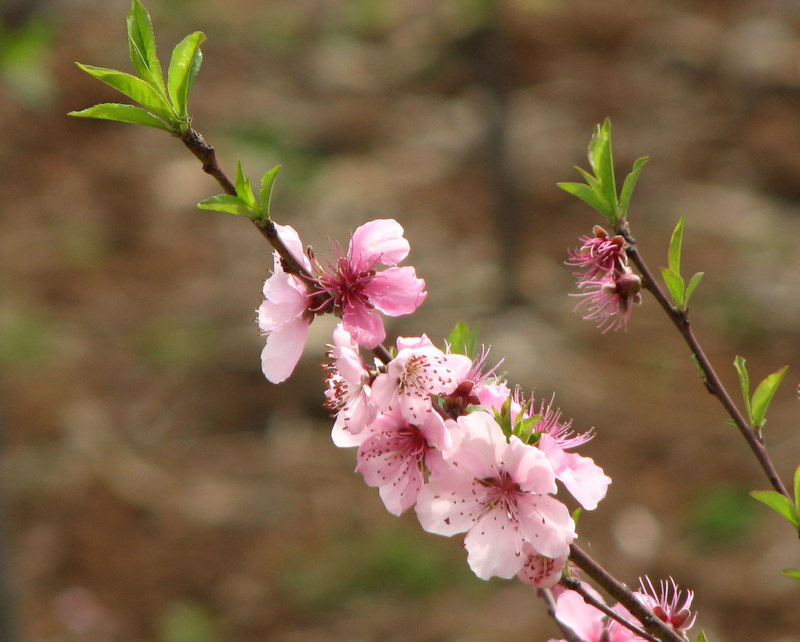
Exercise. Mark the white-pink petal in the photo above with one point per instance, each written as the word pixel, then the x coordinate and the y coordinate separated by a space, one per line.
pixel 285 300
pixel 396 291
pixel 283 349
pixel 364 325
pixel 379 240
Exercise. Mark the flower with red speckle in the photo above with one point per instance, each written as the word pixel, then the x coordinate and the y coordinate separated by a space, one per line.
pixel 498 492
pixel 348 391
pixel 395 455
pixel 414 375
pixel 668 603
pixel 541 571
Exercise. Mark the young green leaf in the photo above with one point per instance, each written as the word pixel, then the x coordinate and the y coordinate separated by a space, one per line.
pixel 797 489
pixel 693 283
pixel 763 396
pixel 123 114
pixel 674 254
pixel 226 203
pixel 674 285
pixel 462 340
pixel 602 163
pixel 629 184
pixel 142 46
pixel 588 196
pixel 265 193
pixel 794 573
pixel 702 637
pixel 744 382
pixel 243 188
pixel 183 68
pixel 136 88
pixel 779 503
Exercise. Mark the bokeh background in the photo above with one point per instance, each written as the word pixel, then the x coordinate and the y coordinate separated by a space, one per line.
pixel 157 487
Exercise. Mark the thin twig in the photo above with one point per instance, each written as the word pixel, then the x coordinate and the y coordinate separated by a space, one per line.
pixel 680 319
pixel 623 595
pixel 195 142
pixel 575 584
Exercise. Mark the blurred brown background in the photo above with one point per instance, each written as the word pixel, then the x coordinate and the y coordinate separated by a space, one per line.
pixel 156 487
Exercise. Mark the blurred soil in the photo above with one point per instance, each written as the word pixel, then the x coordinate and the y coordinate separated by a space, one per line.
pixel 156 487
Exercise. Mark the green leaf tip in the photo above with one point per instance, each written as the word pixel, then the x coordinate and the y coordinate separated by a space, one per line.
pixel 463 340
pixel 600 189
pixel 265 193
pixel 142 46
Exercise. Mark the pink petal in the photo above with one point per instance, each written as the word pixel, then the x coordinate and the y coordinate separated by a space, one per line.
pixel 494 546
pixel 380 240
pixel 291 239
pixel 584 479
pixel 364 325
pixel 283 350
pixel 396 291
pixel 284 300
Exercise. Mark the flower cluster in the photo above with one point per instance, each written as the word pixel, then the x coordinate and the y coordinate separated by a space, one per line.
pixel 608 287
pixel 439 431
pixel 435 432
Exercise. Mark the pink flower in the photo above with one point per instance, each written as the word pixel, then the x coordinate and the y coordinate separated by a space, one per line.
pixel 668 603
pixel 608 285
pixel 414 375
pixel 395 455
pixel 350 285
pixel 498 492
pixel 587 622
pixel 541 571
pixel 348 391
pixel 599 255
pixel 608 299
pixel 283 314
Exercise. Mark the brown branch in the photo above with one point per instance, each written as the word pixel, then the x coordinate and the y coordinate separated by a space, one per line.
pixel 575 584
pixel 680 319
pixel 623 595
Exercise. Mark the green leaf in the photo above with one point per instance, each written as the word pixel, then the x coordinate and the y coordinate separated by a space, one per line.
pixel 797 489
pixel 243 188
pixel 794 573
pixel 693 283
pixel 123 114
pixel 674 254
pixel 142 46
pixel 629 184
pixel 462 340
pixel 777 502
pixel 744 382
pixel 183 68
pixel 136 88
pixel 764 394
pixel 702 637
pixel 226 203
pixel 265 193
pixel 674 285
pixel 587 195
pixel 602 163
